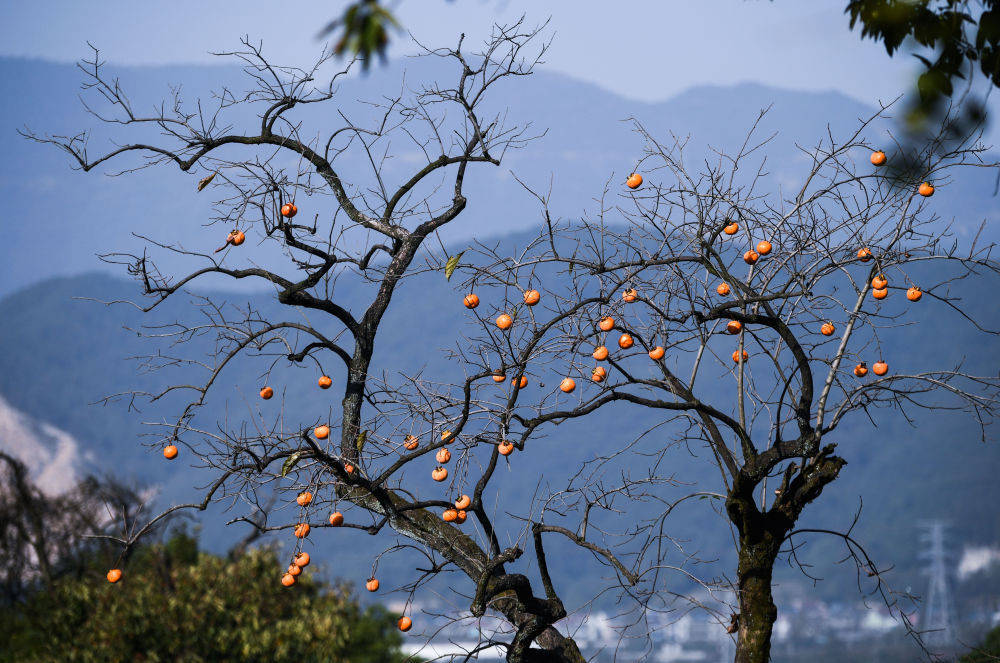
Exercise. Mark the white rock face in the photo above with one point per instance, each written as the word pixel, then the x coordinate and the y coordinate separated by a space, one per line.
pixel 53 456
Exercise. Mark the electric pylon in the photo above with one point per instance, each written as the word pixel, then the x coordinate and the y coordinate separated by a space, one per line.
pixel 937 619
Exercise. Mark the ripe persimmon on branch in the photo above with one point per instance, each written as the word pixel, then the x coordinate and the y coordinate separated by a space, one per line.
pixel 746 319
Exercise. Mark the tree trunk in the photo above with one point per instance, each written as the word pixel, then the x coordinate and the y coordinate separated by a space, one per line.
pixel 757 610
pixel 761 536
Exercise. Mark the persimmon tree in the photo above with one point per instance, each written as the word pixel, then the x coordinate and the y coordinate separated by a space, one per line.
pixel 372 233
pixel 368 467
pixel 748 323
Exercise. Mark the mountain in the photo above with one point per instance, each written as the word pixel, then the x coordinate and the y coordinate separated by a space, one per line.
pixel 56 220
pixel 61 351
pixel 53 456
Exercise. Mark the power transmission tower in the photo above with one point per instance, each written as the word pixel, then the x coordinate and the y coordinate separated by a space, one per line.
pixel 937 619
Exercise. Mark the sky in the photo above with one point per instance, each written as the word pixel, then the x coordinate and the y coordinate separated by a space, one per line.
pixel 644 49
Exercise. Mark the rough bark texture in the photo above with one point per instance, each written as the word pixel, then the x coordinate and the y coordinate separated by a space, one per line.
pixel 761 536
pixel 757 609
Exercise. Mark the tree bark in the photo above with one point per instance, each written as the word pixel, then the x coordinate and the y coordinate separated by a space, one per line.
pixel 761 536
pixel 757 609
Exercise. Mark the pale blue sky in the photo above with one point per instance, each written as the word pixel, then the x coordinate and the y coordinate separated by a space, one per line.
pixel 644 49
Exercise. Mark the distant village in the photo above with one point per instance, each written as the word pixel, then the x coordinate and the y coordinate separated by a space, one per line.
pixel 804 624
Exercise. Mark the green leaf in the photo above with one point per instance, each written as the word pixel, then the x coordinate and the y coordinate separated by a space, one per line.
pixel 290 462
pixel 449 267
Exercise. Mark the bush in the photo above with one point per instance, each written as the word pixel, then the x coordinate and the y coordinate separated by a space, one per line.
pixel 177 603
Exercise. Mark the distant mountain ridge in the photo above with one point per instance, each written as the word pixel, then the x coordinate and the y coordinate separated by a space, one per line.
pixel 57 219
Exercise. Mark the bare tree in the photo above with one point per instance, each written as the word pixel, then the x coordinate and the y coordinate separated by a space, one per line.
pixel 373 235
pixel 754 323
pixel 667 242
pixel 42 536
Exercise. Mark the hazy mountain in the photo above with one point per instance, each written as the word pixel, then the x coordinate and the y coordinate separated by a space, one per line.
pixel 57 219
pixel 53 457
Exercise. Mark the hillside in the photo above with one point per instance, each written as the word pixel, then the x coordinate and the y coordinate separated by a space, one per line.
pixel 59 354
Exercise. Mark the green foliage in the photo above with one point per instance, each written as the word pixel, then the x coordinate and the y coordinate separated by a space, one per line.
pixel 986 652
pixel 953 35
pixel 176 603
pixel 364 30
